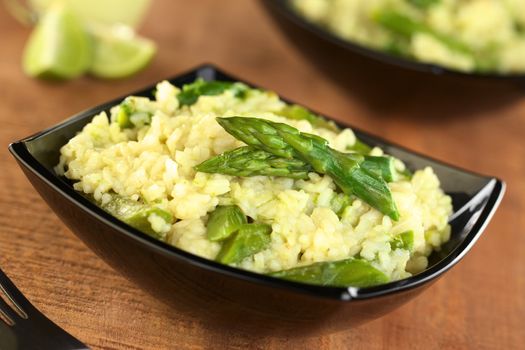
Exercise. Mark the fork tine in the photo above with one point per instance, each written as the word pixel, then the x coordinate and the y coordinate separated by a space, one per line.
pixel 14 295
pixel 7 314
pixel 37 331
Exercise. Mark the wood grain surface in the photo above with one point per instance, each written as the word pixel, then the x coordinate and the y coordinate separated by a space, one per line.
pixel 479 304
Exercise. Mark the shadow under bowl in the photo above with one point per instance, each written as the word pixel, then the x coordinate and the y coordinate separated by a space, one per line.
pixel 226 299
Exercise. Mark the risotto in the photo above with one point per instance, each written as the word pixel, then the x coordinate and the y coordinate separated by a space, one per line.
pixel 467 35
pixel 179 167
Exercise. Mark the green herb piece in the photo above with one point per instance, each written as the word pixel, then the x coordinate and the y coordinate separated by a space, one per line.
pixel 191 92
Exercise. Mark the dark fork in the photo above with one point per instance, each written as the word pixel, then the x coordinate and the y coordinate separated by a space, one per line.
pixel 23 327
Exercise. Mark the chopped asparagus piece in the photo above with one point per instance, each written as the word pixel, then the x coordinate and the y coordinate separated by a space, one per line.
pixel 131 114
pixel 249 161
pixel 339 202
pixel 224 221
pixel 285 141
pixel 403 240
pixel 136 214
pixel 360 147
pixel 343 273
pixel 249 239
pixel 382 167
pixel 297 112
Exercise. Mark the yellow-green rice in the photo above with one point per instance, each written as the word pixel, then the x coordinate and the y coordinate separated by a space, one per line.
pixel 154 163
pixel 491 32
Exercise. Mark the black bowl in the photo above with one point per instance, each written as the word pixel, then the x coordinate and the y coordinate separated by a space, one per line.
pixel 226 298
pixel 306 33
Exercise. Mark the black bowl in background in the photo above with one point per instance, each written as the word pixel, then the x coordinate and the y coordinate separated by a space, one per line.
pixel 226 299
pixel 305 33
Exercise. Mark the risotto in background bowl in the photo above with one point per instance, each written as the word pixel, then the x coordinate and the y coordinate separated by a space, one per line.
pixel 478 38
pixel 307 253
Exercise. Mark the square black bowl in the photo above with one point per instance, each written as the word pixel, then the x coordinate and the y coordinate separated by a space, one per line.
pixel 226 298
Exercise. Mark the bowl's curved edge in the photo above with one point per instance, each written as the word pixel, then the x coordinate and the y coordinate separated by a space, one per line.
pixel 495 191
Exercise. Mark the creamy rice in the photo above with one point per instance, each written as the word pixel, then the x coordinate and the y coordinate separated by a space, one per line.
pixel 155 163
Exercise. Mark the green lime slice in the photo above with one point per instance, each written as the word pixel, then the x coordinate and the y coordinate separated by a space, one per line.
pixel 59 47
pixel 129 12
pixel 119 53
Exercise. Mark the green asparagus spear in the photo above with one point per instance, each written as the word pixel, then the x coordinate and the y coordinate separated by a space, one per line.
pixel 249 239
pixel 373 190
pixel 403 240
pixel 380 166
pixel 300 113
pixel 249 161
pixel 350 272
pixel 191 92
pixel 224 221
pixel 285 141
pixel 130 114
pixel 136 214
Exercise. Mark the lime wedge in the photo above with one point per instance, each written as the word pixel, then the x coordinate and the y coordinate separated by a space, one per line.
pixel 119 53
pixel 129 12
pixel 59 47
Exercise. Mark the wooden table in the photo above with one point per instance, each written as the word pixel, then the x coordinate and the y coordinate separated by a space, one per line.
pixel 479 304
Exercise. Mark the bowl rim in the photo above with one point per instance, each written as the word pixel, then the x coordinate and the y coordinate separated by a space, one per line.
pixel 20 151
pixel 284 9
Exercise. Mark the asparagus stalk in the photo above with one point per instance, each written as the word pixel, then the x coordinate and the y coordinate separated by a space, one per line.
pixel 285 141
pixel 249 161
pixel 343 273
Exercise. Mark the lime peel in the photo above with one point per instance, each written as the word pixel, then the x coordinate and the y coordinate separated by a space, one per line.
pixel 59 47
pixel 119 52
